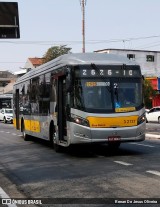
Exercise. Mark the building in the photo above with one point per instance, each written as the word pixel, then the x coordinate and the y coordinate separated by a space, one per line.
pixel 148 60
pixel 155 82
pixel 21 72
pixel 32 63
pixel 7 80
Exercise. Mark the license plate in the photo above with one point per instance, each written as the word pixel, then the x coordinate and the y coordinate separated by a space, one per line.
pixel 114 138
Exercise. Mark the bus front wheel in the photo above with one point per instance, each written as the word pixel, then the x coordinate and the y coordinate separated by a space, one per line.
pixel 57 148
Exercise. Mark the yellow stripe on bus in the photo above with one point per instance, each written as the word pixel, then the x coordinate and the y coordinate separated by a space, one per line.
pixel 30 125
pixel 104 122
pixel 14 123
pixel 35 126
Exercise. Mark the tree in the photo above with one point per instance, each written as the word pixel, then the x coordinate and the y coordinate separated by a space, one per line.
pixel 149 93
pixel 54 52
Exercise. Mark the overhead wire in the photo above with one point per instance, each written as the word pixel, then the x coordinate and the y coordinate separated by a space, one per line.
pixel 57 43
pixel 43 42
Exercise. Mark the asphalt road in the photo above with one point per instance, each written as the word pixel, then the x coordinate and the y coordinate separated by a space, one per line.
pixel 31 169
pixel 153 128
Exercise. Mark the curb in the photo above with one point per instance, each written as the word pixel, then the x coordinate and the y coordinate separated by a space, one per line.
pixel 155 136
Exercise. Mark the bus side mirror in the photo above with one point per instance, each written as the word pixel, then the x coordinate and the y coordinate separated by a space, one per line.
pixel 69 81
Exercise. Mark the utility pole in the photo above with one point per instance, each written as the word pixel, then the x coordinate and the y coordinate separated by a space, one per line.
pixel 83 4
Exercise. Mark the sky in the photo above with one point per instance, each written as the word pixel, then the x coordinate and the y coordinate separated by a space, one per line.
pixel 120 24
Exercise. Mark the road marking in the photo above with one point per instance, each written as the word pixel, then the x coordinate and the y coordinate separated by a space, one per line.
pixel 145 145
pixel 157 136
pixel 153 172
pixel 8 132
pixel 14 134
pixel 6 198
pixel 123 163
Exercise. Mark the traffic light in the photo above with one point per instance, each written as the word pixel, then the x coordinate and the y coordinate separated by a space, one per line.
pixel 9 20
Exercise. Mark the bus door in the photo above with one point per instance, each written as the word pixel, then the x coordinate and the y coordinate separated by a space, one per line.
pixel 17 108
pixel 61 108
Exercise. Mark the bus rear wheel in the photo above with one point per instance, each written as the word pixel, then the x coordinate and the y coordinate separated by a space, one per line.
pixel 57 148
pixel 25 136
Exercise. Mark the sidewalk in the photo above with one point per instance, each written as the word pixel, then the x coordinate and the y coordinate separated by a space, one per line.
pixel 152 135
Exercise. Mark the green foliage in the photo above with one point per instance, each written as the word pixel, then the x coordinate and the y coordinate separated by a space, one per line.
pixel 149 93
pixel 54 52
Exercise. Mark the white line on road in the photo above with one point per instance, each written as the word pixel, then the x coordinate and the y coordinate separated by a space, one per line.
pixel 157 136
pixel 123 163
pixel 145 145
pixel 153 172
pixel 14 134
pixel 4 196
pixel 8 132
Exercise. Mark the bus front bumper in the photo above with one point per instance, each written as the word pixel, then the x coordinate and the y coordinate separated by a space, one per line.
pixel 81 134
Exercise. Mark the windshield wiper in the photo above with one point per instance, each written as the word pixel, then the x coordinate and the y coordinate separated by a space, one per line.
pixel 116 93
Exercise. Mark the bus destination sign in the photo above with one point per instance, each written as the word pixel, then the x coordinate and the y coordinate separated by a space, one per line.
pixel 109 73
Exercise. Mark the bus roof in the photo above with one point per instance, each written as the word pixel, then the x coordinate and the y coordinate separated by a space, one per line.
pixel 77 59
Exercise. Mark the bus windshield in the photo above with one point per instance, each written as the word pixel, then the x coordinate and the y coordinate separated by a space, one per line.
pixel 108 95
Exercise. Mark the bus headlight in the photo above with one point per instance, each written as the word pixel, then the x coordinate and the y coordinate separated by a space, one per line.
pixel 79 120
pixel 141 119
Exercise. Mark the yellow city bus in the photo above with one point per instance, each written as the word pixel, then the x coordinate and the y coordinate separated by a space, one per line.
pixel 81 98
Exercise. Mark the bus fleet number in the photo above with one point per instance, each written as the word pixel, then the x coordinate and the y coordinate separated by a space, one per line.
pixel 129 121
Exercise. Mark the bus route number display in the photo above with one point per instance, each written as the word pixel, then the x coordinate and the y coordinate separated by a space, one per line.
pixel 109 73
pixel 93 84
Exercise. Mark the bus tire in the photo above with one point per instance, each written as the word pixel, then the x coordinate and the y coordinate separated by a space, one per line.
pixel 51 135
pixel 25 136
pixel 57 148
